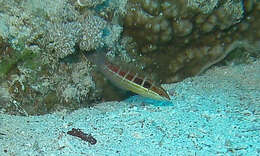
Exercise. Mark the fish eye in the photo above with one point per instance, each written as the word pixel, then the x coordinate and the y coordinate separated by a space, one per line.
pixel 147 85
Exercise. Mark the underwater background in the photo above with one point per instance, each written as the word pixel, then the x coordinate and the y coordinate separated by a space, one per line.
pixel 54 100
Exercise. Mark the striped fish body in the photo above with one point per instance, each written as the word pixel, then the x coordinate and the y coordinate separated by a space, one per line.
pixel 131 81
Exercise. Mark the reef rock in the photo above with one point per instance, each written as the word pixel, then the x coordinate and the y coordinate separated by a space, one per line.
pixel 181 38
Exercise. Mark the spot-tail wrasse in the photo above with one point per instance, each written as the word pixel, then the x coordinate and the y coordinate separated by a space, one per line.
pixel 128 80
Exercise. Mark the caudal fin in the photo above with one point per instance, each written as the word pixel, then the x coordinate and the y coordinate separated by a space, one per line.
pixel 97 57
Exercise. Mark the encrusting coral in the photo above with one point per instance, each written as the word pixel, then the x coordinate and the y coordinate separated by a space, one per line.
pixel 53 31
pixel 182 38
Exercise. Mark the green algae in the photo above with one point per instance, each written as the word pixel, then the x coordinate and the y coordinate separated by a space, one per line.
pixel 50 100
pixel 27 57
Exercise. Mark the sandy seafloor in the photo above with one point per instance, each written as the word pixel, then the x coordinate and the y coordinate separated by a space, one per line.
pixel 217 113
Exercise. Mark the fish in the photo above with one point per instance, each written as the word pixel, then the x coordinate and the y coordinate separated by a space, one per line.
pixel 129 80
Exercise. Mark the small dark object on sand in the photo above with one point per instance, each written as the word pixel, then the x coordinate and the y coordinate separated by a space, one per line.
pixel 86 137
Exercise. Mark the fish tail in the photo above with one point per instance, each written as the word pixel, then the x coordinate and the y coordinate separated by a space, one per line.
pixel 97 57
